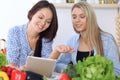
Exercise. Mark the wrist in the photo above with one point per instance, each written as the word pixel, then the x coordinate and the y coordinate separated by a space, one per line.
pixel 55 54
pixel 56 51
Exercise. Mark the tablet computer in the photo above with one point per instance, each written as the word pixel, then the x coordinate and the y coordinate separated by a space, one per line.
pixel 43 66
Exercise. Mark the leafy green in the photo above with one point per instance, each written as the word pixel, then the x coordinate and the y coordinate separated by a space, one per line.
pixel 3 60
pixel 93 68
pixel 45 78
pixel 70 70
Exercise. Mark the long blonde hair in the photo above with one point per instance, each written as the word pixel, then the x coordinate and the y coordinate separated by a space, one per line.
pixel 93 32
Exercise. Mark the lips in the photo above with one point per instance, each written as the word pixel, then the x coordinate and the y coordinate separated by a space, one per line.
pixel 78 25
pixel 40 27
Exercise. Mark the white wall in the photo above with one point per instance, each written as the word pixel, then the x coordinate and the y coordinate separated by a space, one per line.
pixel 14 12
pixel 105 17
pixel 65 29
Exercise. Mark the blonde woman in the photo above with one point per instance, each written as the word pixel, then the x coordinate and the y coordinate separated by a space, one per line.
pixel 89 40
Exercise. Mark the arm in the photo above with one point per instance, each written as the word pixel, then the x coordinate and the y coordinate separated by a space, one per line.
pixel 63 53
pixel 13 47
pixel 60 49
pixel 113 54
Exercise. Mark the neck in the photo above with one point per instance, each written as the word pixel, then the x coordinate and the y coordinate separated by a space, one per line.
pixel 31 33
pixel 82 36
pixel 83 39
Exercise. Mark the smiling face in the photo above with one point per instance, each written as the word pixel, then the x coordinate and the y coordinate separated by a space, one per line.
pixel 79 20
pixel 41 20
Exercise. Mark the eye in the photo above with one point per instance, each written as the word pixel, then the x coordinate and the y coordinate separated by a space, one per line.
pixel 48 22
pixel 82 16
pixel 40 17
pixel 74 17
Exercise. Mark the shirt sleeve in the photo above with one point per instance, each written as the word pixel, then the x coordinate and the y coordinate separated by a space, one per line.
pixel 63 60
pixel 112 53
pixel 13 45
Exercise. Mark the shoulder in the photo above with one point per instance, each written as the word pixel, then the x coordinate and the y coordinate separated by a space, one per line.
pixel 17 28
pixel 73 40
pixel 108 40
pixel 106 36
pixel 74 37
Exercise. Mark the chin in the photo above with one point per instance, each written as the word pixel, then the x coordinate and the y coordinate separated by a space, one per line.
pixel 38 31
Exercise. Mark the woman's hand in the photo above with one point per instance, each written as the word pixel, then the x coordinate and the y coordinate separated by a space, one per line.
pixel 61 49
pixel 23 67
pixel 13 65
pixel 64 49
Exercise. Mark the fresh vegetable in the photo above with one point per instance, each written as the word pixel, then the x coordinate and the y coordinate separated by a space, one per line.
pixel 94 68
pixel 3 51
pixel 64 76
pixel 8 70
pixel 1 78
pixel 70 70
pixel 18 75
pixel 3 75
pixel 3 60
pixel 4 68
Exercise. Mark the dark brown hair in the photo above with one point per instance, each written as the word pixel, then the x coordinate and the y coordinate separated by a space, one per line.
pixel 49 33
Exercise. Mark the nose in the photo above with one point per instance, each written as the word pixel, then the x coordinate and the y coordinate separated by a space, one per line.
pixel 77 19
pixel 43 22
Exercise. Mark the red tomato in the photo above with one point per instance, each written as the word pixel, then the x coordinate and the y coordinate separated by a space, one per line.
pixel 64 76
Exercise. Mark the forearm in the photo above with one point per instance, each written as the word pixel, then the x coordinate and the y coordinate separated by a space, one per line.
pixel 60 49
pixel 12 65
pixel 54 55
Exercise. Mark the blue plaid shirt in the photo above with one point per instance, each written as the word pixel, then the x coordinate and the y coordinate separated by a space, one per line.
pixel 18 47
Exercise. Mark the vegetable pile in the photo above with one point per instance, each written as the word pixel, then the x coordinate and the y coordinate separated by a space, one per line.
pixel 9 73
pixel 92 68
pixel 3 60
pixel 64 76
pixel 13 73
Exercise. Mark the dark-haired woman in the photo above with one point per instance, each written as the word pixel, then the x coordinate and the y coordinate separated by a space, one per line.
pixel 34 37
